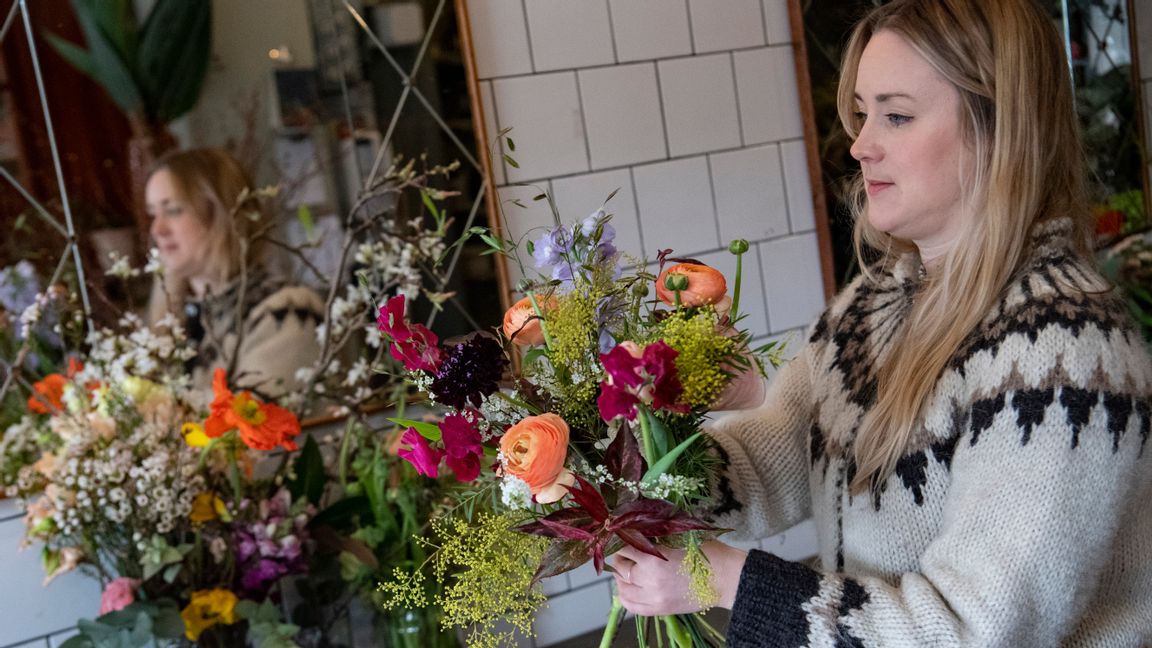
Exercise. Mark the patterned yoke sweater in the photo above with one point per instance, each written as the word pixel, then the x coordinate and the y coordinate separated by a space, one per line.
pixel 1022 514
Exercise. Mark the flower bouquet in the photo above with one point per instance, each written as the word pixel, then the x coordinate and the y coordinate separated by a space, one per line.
pixel 131 477
pixel 594 441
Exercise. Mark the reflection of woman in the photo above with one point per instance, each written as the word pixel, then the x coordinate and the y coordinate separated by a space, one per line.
pixel 969 424
pixel 236 311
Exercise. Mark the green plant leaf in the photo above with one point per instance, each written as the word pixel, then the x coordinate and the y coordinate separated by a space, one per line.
pixel 429 431
pixel 665 463
pixel 172 60
pixel 304 215
pixel 107 67
pixel 310 477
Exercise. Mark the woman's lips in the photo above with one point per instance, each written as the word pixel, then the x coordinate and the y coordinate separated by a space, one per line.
pixel 874 186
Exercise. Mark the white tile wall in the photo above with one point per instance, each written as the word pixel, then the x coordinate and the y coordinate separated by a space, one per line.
pixel 722 25
pixel 699 104
pixel 769 100
pixel 566 34
pixel 41 610
pixel 529 220
pixel 492 146
pixel 676 209
pixel 801 213
pixel 578 196
pixel 792 283
pixel 650 29
pixel 751 289
pixel 571 614
pixel 622 114
pixel 750 200
pixel 548 125
pixel 776 21
pixel 499 37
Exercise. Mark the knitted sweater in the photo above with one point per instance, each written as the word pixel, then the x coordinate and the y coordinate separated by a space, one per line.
pixel 279 324
pixel 1021 515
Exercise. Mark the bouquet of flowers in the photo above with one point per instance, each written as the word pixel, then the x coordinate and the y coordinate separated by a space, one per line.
pixel 132 477
pixel 593 443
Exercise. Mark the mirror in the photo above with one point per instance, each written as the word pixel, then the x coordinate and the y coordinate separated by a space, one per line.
pixel 318 101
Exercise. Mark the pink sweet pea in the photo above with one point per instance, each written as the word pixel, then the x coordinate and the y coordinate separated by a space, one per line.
pixel 119 594
pixel 637 376
pixel 462 445
pixel 422 456
pixel 412 344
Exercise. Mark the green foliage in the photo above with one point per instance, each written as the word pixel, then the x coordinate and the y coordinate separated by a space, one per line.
pixel 134 626
pixel 154 71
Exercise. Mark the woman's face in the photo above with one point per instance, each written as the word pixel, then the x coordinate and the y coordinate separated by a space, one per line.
pixel 179 232
pixel 910 147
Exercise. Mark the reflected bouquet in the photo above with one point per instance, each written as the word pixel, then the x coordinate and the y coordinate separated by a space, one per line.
pixel 154 488
pixel 590 442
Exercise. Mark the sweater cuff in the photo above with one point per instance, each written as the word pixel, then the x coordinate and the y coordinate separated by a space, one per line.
pixel 768 608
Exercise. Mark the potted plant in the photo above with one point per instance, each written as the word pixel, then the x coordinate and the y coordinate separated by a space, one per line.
pixel 153 72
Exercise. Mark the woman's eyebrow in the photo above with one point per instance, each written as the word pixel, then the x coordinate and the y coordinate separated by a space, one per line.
pixel 885 96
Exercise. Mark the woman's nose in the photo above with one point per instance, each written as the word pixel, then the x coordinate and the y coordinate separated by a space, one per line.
pixel 864 148
pixel 157 227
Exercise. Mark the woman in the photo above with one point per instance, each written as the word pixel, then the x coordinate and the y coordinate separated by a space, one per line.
pixel 239 315
pixel 968 423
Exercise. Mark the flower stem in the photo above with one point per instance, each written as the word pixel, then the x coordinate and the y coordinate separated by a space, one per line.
pixel 613 623
pixel 518 403
pixel 647 443
pixel 543 324
pixel 735 312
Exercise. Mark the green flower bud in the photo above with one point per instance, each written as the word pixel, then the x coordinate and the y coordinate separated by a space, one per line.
pixel 676 281
pixel 738 246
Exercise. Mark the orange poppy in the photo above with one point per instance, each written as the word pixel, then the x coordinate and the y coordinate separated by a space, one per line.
pixel 701 285
pixel 49 396
pixel 262 426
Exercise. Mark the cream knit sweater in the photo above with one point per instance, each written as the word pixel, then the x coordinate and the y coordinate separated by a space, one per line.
pixel 1021 516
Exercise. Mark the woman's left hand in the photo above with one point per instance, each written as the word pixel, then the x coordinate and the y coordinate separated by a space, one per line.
pixel 649 586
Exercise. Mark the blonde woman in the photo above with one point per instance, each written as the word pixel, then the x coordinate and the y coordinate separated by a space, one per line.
pixel 238 314
pixel 968 424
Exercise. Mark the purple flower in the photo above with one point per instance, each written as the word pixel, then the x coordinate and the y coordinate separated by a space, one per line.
pixel 469 372
pixel 259 578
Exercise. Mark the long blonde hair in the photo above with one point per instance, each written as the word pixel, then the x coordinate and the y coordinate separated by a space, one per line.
pixel 218 190
pixel 1018 121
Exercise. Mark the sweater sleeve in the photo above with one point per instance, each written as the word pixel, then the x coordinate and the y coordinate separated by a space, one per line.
pixel 1046 471
pixel 763 489
pixel 280 338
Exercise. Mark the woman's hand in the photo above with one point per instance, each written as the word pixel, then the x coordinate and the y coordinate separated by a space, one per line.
pixel 648 586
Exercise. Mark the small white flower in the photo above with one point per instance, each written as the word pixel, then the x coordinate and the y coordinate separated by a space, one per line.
pixel 515 493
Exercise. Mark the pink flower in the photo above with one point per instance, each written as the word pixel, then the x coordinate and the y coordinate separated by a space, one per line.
pixel 119 594
pixel 412 344
pixel 462 446
pixel 637 376
pixel 422 456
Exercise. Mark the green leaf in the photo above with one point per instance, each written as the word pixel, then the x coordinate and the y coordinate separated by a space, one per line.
pixel 172 60
pixel 511 144
pixel 310 477
pixel 108 68
pixel 657 430
pixel 429 431
pixel 304 215
pixel 74 54
pixel 512 163
pixel 665 463
pixel 539 196
pixel 430 205
pixel 343 512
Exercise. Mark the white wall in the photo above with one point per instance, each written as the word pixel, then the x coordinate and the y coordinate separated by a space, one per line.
pixel 689 108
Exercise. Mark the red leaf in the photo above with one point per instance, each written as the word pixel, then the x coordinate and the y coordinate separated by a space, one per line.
pixel 639 542
pixel 590 499
pixel 623 459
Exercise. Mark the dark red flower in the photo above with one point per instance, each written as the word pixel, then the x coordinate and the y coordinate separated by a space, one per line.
pixel 412 344
pixel 636 376
pixel 462 446
pixel 469 372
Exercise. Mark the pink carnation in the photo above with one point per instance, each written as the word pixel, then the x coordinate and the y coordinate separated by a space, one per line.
pixel 119 594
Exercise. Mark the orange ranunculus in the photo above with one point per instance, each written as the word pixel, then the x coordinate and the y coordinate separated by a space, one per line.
pixel 522 326
pixel 535 449
pixel 263 426
pixel 703 285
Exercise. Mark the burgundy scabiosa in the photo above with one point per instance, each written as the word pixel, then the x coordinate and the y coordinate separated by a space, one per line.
pixel 469 372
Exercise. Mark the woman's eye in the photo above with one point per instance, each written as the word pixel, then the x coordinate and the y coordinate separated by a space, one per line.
pixel 898 120
pixel 174 211
pixel 860 116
